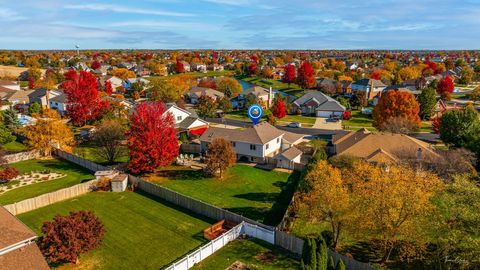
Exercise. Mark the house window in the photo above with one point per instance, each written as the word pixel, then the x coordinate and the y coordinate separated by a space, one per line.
pixel 233 144
pixel 266 147
pixel 278 140
pixel 253 147
pixel 179 118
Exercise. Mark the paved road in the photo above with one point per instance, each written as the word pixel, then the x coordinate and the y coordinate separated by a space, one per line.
pixel 429 137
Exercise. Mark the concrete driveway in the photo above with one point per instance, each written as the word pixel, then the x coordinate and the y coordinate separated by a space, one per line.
pixel 321 123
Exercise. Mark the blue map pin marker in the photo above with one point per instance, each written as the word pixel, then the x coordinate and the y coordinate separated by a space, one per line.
pixel 255 113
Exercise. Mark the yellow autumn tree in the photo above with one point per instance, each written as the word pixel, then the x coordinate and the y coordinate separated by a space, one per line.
pixel 327 197
pixel 123 73
pixel 49 132
pixel 392 203
pixel 408 73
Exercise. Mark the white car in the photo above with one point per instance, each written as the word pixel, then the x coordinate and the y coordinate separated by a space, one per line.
pixel 294 125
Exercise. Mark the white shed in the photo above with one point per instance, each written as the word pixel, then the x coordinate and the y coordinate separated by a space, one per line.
pixel 107 174
pixel 119 183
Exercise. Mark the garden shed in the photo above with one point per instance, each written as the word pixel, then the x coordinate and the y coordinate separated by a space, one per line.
pixel 119 183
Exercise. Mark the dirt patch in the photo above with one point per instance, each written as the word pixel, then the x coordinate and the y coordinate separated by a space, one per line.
pixel 238 266
pixel 12 71
pixel 266 257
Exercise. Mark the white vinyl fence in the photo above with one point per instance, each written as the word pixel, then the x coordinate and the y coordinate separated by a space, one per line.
pixel 206 250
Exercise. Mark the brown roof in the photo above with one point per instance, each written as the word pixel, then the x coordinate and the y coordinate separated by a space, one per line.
pixel 5 82
pixel 12 230
pixel 365 144
pixel 290 153
pixel 25 258
pixel 258 134
pixel 292 137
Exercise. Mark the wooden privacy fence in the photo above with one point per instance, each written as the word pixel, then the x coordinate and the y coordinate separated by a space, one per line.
pixel 80 161
pixel 49 198
pixel 278 237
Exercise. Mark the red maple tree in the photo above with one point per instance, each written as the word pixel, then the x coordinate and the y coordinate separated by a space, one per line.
pixel 306 76
pixel 96 65
pixel 445 87
pixel 83 101
pixel 66 237
pixel 253 68
pixel 280 110
pixel 290 74
pixel 208 83
pixel 152 138
pixel 108 87
pixel 179 67
pixel 31 83
pixel 376 75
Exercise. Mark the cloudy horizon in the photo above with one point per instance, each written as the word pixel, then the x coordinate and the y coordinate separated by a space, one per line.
pixel 240 24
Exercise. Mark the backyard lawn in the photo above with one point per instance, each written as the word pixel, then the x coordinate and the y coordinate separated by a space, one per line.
pixel 292 89
pixel 75 175
pixel 255 253
pixel 141 232
pixel 88 152
pixel 14 147
pixel 245 190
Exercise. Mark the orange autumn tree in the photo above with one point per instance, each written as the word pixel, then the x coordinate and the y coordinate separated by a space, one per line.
pixel 327 197
pixel 392 206
pixel 397 110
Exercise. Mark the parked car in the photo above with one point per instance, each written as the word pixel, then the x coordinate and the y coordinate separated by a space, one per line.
pixel 294 125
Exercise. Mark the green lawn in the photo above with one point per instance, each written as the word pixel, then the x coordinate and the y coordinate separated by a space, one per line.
pixel 358 120
pixel 88 152
pixel 245 190
pixel 292 89
pixel 307 121
pixel 141 232
pixel 75 175
pixel 255 253
pixel 14 147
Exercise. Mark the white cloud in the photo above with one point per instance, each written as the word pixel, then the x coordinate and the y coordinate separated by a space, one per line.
pixel 229 2
pixel 165 24
pixel 124 9
pixel 9 15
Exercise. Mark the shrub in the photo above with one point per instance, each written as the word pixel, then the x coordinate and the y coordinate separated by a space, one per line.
pixel 66 237
pixel 104 184
pixel 8 174
pixel 347 115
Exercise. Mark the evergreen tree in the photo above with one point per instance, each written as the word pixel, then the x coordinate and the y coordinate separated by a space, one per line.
pixel 322 254
pixel 309 259
pixel 427 100
pixel 331 263
pixel 340 265
pixel 10 119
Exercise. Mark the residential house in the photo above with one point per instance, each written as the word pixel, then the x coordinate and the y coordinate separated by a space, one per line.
pixel 127 84
pixel 196 92
pixel 329 85
pixel 215 67
pixel 186 66
pixel 380 147
pixel 186 121
pixel 318 104
pixel 198 67
pixel 40 96
pixel 263 94
pixel 346 87
pixel 370 87
pixel 59 103
pixel 18 250
pixel 14 97
pixel 261 143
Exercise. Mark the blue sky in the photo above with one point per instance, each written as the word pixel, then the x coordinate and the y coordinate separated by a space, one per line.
pixel 240 24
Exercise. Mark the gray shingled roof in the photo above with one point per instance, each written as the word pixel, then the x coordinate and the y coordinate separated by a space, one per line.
pixel 325 102
pixel 258 134
pixel 290 153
